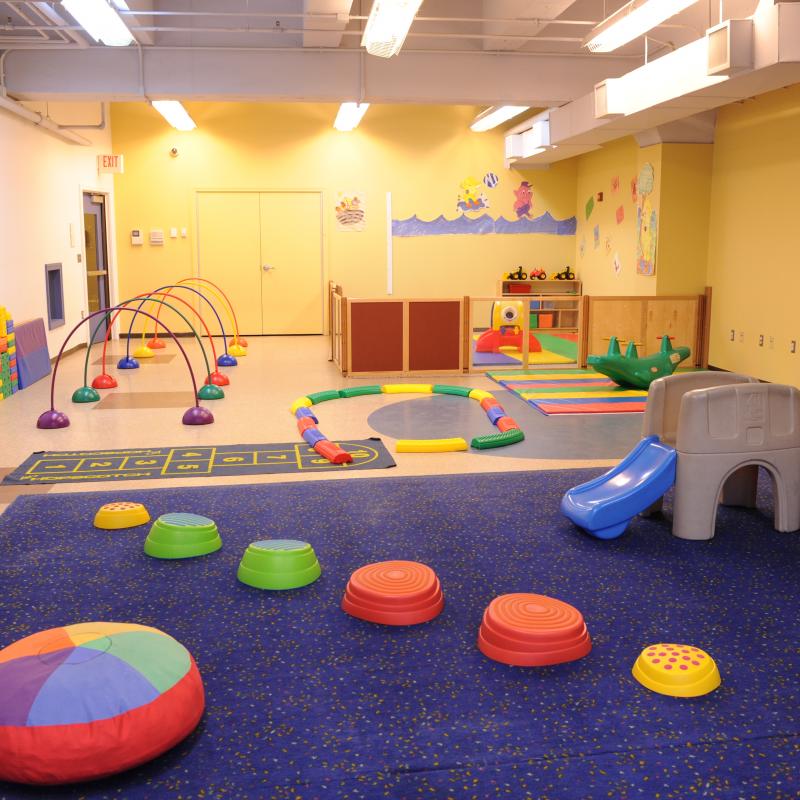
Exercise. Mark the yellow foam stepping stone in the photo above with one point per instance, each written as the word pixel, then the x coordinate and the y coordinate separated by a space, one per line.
pixel 480 394
pixel 113 516
pixel 301 402
pixel 430 445
pixel 410 388
pixel 677 670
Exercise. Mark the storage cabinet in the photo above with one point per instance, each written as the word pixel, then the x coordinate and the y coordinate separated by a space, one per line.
pixel 554 305
pixel 507 287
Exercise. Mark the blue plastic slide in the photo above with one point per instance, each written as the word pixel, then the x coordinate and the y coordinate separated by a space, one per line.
pixel 605 506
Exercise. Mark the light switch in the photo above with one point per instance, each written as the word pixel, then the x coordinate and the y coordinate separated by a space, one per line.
pixel 183 232
pixel 173 233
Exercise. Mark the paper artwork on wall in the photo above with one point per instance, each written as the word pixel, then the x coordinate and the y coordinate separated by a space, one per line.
pixel 582 247
pixel 546 223
pixel 620 215
pixel 608 245
pixel 471 196
pixel 523 205
pixel 615 183
pixel 617 265
pixel 633 190
pixel 491 180
pixel 646 223
pixel 596 232
pixel 589 206
pixel 350 212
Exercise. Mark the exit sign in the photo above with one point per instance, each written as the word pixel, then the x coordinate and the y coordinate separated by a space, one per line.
pixel 109 163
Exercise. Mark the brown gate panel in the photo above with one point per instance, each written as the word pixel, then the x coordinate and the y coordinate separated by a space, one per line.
pixel 434 336
pixel 376 336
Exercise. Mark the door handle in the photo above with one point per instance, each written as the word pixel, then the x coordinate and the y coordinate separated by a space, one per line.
pixel 268 267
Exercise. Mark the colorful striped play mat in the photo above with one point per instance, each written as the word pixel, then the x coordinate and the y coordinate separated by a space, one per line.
pixel 570 391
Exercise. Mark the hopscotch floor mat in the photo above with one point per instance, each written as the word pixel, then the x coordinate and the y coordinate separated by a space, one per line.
pixel 571 391
pixel 81 466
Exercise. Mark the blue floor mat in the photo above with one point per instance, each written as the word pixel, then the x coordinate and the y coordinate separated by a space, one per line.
pixel 304 701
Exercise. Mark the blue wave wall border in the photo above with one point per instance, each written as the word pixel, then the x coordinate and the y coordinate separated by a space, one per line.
pixel 480 226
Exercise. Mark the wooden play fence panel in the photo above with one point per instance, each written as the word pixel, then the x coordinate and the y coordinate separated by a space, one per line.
pixel 645 320
pixel 418 336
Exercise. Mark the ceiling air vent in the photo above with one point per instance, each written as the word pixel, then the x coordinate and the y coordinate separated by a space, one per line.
pixel 730 47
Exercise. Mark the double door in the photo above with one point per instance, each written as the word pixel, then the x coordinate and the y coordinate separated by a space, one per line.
pixel 264 249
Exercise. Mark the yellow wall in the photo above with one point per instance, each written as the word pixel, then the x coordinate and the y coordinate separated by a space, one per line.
pixel 595 171
pixel 419 154
pixel 681 259
pixel 753 252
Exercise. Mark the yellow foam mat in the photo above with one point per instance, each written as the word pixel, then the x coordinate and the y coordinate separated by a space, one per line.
pixel 430 445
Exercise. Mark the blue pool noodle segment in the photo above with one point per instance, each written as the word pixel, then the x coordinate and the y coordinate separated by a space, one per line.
pixel 604 506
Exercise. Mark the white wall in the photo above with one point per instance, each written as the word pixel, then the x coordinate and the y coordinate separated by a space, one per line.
pixel 41 180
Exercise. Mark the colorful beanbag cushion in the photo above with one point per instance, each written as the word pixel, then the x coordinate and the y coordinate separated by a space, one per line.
pixel 88 700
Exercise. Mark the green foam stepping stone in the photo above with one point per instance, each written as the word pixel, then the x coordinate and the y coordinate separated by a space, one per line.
pixel 180 535
pixel 279 564
pixel 321 397
pixel 443 388
pixel 358 391
pixel 497 439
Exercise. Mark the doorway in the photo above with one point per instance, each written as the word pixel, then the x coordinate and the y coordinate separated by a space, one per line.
pixel 265 250
pixel 96 255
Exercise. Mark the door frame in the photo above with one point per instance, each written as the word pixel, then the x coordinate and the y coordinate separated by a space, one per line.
pixel 283 190
pixel 111 247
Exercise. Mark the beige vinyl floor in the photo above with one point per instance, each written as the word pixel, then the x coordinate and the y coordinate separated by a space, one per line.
pixel 146 411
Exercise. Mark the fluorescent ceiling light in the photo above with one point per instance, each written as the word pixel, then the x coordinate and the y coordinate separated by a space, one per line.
pixel 633 19
pixel 174 113
pixel 100 21
pixel 494 116
pixel 388 25
pixel 350 115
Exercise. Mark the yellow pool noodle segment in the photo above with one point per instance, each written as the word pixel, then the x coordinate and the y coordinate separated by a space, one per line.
pixel 407 388
pixel 301 402
pixel 430 445
pixel 480 394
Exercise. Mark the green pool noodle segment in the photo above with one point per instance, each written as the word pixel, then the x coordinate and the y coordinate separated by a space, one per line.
pixel 279 564
pixel 359 391
pixel 639 373
pixel 179 535
pixel 443 388
pixel 497 439
pixel 321 397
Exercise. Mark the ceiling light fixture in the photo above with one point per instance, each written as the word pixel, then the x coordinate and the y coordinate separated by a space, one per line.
pixel 634 19
pixel 494 116
pixel 174 113
pixel 100 21
pixel 349 116
pixel 388 25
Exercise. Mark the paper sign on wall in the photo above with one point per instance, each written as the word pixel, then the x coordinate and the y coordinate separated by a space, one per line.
pixel 108 162
pixel 351 211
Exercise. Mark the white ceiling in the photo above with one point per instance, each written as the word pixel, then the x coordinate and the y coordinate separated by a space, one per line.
pixel 458 51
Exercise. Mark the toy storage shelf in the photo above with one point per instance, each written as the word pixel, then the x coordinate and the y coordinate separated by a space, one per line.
pixel 554 312
pixel 512 288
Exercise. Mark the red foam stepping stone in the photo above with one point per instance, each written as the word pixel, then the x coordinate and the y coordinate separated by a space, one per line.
pixel 394 593
pixel 532 630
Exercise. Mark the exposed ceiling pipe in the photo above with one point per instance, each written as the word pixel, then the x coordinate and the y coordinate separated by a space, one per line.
pixel 40 121
pixel 284 31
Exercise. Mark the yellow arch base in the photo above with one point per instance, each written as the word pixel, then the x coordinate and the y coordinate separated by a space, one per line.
pixel 409 388
pixel 430 445
pixel 480 394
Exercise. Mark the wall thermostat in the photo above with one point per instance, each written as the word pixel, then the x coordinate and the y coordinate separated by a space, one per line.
pixel 136 237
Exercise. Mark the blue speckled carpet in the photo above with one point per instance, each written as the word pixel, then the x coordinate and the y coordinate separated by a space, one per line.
pixel 306 702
